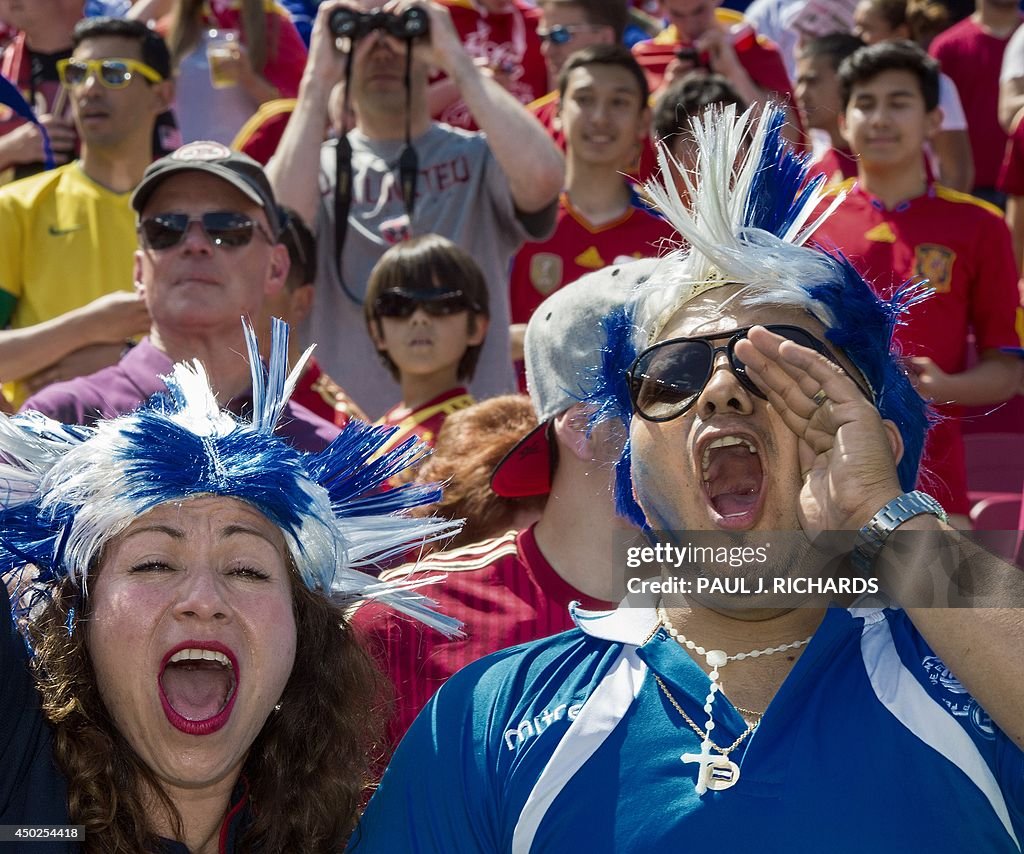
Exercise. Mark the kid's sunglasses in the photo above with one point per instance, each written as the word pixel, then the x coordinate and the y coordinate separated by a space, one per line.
pixel 401 303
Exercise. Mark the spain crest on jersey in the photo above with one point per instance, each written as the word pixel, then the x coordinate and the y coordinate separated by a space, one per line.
pixel 935 263
pixel 546 272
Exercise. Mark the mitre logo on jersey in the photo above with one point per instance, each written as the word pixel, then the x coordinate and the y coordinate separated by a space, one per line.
pixel 546 272
pixel 935 263
pixel 531 727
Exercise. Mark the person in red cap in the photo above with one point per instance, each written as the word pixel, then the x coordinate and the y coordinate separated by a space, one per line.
pixel 518 587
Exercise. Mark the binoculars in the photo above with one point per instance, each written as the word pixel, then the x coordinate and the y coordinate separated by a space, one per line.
pixel 411 24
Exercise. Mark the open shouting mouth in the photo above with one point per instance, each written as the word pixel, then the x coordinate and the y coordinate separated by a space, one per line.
pixel 732 477
pixel 198 685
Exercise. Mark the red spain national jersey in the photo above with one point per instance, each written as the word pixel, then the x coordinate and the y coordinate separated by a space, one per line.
pixel 837 166
pixel 505 41
pixel 962 246
pixel 973 58
pixel 323 396
pixel 424 421
pixel 576 248
pixel 503 590
pixel 1011 174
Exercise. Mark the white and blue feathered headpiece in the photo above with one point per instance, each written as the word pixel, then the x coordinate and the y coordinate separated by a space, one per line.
pixel 750 212
pixel 65 491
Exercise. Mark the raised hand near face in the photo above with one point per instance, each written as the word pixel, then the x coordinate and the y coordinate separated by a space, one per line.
pixel 847 453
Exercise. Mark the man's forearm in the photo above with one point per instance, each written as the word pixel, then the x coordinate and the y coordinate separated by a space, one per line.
pixel 27 351
pixel 1011 100
pixel 529 157
pixel 992 380
pixel 981 640
pixel 294 169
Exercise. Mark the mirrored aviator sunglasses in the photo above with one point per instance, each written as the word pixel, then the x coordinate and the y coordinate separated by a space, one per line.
pixel 666 379
pixel 225 229
pixel 402 303
pixel 114 73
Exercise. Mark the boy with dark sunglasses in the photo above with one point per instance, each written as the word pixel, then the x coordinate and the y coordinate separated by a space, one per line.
pixel 604 118
pixel 427 312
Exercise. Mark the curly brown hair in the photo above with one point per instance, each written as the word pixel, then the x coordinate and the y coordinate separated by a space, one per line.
pixel 307 769
pixel 471 443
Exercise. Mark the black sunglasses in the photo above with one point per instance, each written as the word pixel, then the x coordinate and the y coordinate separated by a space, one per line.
pixel 223 228
pixel 666 379
pixel 403 303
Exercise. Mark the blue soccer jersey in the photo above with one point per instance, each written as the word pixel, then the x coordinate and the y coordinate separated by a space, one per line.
pixel 567 744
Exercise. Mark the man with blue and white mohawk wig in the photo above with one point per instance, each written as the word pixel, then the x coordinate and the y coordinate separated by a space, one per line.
pixel 66 491
pixel 727 703
pixel 752 215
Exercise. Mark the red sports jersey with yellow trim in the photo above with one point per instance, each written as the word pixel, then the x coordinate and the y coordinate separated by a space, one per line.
pixel 261 134
pixel 758 55
pixel 962 246
pixel 504 41
pixel 505 592
pixel 837 166
pixel 424 421
pixel 576 248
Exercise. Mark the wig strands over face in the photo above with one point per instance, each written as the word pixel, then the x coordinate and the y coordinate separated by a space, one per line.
pixel 749 215
pixel 65 491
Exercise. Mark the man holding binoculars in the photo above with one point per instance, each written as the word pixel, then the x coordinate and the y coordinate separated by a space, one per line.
pixel 403 175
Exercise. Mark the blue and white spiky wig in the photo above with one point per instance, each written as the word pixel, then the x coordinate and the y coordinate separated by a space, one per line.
pixel 750 214
pixel 65 491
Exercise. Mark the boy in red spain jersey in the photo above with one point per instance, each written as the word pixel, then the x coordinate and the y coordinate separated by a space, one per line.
pixel 427 312
pixel 517 588
pixel 568 26
pixel 604 116
pixel 895 226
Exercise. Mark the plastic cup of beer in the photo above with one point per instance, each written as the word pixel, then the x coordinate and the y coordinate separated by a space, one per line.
pixel 221 51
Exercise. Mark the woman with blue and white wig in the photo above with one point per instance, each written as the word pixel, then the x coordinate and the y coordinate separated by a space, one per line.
pixel 179 673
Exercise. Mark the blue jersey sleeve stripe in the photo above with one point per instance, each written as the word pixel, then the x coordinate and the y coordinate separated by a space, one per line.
pixel 897 689
pixel 601 713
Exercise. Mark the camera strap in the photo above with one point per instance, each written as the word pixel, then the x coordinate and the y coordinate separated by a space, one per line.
pixel 408 168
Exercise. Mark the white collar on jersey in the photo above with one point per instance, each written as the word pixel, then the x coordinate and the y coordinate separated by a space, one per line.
pixel 636 618
pixel 632 623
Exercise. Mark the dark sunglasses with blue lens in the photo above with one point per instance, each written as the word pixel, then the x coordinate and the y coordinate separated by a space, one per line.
pixel 666 379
